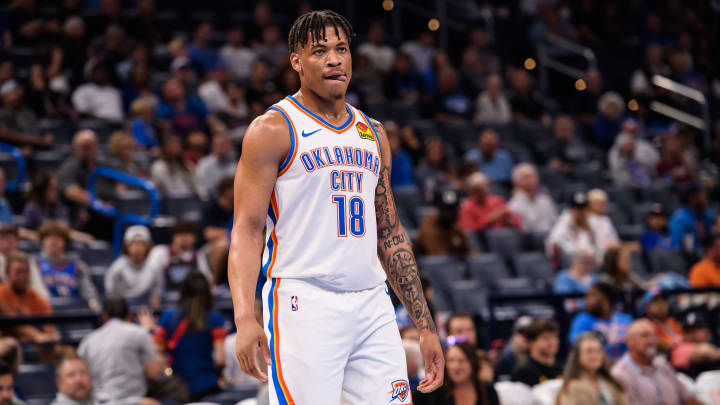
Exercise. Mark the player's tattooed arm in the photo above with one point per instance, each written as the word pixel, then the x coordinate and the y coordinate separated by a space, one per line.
pixel 394 248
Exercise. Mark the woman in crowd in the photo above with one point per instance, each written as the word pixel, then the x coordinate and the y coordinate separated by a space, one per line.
pixel 45 204
pixel 462 384
pixel 617 269
pixel 193 335
pixel 136 274
pixel 587 379
pixel 169 173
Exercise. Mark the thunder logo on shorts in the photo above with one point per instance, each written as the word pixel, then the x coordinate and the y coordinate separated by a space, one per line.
pixel 400 390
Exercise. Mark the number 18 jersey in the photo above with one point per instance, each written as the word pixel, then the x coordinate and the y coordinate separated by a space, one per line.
pixel 321 220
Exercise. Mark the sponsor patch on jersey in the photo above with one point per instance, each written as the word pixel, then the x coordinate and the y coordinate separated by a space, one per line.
pixel 364 131
pixel 294 303
pixel 400 391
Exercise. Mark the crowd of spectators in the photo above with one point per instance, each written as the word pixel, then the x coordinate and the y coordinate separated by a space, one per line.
pixel 606 193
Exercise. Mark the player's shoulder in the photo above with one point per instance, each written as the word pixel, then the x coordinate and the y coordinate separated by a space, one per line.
pixel 267 132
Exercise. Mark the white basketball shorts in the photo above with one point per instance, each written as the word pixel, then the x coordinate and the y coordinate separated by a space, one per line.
pixel 331 348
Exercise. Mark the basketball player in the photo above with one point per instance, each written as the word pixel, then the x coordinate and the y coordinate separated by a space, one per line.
pixel 310 168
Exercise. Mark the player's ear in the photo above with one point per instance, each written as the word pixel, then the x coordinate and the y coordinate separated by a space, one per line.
pixel 295 62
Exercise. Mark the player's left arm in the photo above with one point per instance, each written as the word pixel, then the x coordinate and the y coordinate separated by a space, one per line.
pixel 398 261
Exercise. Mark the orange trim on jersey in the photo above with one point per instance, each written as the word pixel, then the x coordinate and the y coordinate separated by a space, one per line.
pixel 294 146
pixel 273 237
pixel 276 348
pixel 322 122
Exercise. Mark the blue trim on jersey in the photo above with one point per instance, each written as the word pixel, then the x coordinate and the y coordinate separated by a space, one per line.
pixel 270 247
pixel 273 367
pixel 322 120
pixel 374 133
pixel 292 138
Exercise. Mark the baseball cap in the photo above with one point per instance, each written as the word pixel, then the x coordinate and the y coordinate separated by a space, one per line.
pixel 8 87
pixel 657 209
pixel 136 232
pixel 578 200
pixel 179 63
pixel 521 324
pixel 694 320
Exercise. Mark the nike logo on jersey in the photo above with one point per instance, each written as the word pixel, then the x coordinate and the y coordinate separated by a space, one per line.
pixel 306 134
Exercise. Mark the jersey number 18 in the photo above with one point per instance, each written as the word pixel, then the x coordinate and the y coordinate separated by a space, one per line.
pixel 353 218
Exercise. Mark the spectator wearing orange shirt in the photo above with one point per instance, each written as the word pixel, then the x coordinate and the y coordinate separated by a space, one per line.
pixel 706 273
pixel 18 299
pixel 483 210
pixel 657 309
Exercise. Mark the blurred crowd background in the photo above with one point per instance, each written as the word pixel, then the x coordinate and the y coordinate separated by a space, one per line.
pixel 555 164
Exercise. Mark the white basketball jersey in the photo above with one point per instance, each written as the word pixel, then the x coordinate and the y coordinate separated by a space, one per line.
pixel 321 220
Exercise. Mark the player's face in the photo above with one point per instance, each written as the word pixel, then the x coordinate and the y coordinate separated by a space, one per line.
pixel 325 67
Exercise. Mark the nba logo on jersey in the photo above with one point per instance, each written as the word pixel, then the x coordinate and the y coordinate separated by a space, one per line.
pixel 294 303
pixel 400 390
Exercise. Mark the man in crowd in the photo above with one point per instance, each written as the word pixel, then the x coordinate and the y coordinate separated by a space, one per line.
pixel 532 204
pixel 657 311
pixel 692 222
pixel 564 150
pixel 599 316
pixel 17 298
pixel 181 258
pixel 72 378
pixel 482 210
pixel 98 98
pixel 541 364
pixel 494 162
pixel 221 163
pixel 572 231
pixel 696 354
pixel 515 350
pixel 706 273
pixel 647 378
pixel 601 224
pixel 120 355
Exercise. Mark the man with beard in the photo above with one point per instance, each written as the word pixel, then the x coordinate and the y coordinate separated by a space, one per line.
pixel 73 382
pixel 440 233
pixel 647 378
pixel 600 317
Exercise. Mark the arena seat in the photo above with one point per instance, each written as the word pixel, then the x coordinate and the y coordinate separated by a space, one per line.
pixel 640 211
pixel 637 265
pixel 231 396
pixel 662 261
pixel 47 160
pixel 533 265
pixel 133 201
pixel 504 241
pixel 622 196
pixel 96 253
pixel 487 267
pixel 630 232
pixel 36 381
pixel 183 206
pixel 469 296
pixel 442 271
pixel 534 241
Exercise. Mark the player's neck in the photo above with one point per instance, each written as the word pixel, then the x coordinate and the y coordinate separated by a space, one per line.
pixel 333 111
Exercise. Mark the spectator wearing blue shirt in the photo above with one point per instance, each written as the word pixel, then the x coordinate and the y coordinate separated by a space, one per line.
pixel 656 234
pixel 578 278
pixel 6 214
pixel 181 113
pixel 599 316
pixel 142 127
pixel 193 335
pixel 494 162
pixel 403 173
pixel 611 114
pixel 693 221
pixel 202 56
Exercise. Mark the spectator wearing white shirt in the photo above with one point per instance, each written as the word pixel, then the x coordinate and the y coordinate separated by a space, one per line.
pixel 98 98
pixel 219 164
pixel 381 56
pixel 571 231
pixel 421 50
pixel 211 91
pixel 492 106
pixel 601 224
pixel 238 57
pixel 532 204
pixel 632 161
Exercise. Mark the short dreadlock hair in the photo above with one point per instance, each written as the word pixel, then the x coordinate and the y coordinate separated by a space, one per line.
pixel 314 23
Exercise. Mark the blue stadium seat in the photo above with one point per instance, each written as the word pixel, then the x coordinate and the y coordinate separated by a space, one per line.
pixel 515 286
pixel 533 265
pixel 504 241
pixel 534 241
pixel 637 265
pixel 469 296
pixel 36 381
pixel 160 229
pixel 409 198
pixel 231 396
pixel 487 267
pixel 663 261
pixel 661 195
pixel 622 196
pixel 63 304
pixel 133 201
pixel 618 215
pixel 629 232
pixel 640 211
pixel 442 271
pixel 47 160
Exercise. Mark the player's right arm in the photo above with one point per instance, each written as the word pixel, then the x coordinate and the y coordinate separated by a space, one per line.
pixel 265 146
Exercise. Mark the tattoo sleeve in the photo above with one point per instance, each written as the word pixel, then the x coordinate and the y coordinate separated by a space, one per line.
pixel 396 255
